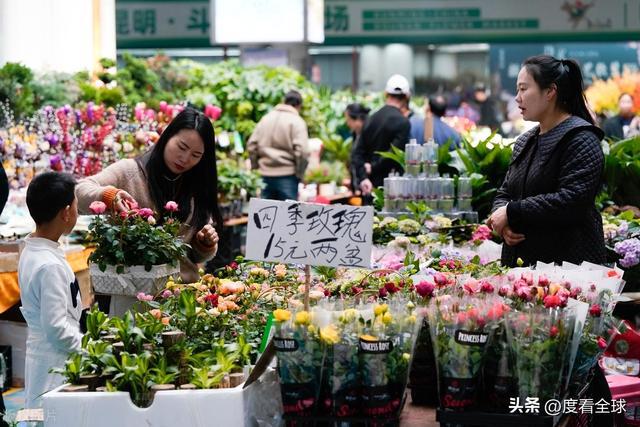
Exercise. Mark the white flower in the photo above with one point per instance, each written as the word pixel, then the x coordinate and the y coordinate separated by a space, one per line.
pixel 389 222
pixel 409 226
pixel 127 147
pixel 399 242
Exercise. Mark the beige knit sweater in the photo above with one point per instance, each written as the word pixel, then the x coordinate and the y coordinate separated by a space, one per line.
pixel 129 176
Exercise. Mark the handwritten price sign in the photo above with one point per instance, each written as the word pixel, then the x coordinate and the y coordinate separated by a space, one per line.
pixel 306 233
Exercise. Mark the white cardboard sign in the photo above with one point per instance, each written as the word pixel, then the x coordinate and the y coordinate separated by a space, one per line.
pixel 306 233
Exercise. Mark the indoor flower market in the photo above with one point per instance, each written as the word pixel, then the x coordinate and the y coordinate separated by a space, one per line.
pixel 319 213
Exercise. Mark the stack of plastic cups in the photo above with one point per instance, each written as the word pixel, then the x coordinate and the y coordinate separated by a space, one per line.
pixel 412 158
pixel 389 204
pixel 464 194
pixel 447 197
pixel 430 158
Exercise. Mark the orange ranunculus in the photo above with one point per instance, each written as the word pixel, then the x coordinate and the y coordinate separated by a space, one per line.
pixel 156 313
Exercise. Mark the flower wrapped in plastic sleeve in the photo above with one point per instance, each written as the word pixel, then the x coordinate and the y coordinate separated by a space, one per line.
pixel 540 340
pixel 385 348
pixel 299 361
pixel 461 330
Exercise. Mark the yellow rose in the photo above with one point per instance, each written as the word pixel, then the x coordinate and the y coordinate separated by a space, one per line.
pixel 380 309
pixel 312 329
pixel 329 334
pixel 406 356
pixel 281 315
pixel 411 319
pixel 410 305
pixel 349 315
pixel 303 318
pixel 387 318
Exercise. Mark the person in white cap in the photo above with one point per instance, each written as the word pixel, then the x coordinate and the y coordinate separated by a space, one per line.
pixel 386 127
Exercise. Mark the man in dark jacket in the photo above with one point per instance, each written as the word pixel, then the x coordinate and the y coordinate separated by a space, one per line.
pixel 386 127
pixel 549 192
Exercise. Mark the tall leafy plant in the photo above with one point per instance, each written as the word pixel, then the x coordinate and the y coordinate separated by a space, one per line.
pixel 487 164
pixel 622 172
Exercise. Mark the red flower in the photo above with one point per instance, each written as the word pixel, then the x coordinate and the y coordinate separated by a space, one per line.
pixel 425 289
pixel 602 343
pixel 391 287
pixel 487 287
pixel 356 290
pixel 233 265
pixel 552 301
pixel 383 293
pixel 595 310
pixel 212 299
pixel 553 332
pixel 543 280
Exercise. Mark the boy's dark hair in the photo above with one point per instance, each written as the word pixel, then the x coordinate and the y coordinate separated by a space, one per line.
pixel 48 194
pixel 293 98
pixel 438 105
pixel 357 111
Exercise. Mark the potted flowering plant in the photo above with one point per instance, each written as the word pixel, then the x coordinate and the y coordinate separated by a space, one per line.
pixel 134 251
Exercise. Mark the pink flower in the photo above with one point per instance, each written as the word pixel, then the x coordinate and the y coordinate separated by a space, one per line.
pixel 141 296
pixel 486 287
pixel 213 112
pixel 528 278
pixel 552 301
pixel 440 279
pixel 504 291
pixel 553 332
pixel 575 292
pixel 602 343
pixel 171 206
pixel 425 289
pixel 524 293
pixel 145 213
pixel 471 286
pixel 391 287
pixel 520 283
pixel 563 294
pixel 595 310
pixel 123 215
pixel 151 220
pixel 97 207
pixel 167 293
pixel 482 233
pixel 461 317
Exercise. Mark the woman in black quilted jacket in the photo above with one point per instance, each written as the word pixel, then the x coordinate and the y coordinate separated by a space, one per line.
pixel 545 209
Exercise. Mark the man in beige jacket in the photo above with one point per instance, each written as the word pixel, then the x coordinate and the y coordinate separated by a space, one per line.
pixel 279 149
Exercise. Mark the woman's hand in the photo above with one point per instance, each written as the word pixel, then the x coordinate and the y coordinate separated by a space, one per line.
pixel 208 236
pixel 510 237
pixel 498 220
pixel 124 202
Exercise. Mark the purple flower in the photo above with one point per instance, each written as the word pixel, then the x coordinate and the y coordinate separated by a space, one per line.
pixel 629 250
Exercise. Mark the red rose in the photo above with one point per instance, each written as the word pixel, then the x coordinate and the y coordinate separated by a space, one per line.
pixel 425 289
pixel 553 332
pixel 212 299
pixel 383 293
pixel 595 310
pixel 552 301
pixel 602 343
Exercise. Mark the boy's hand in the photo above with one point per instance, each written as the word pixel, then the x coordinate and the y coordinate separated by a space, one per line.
pixel 124 202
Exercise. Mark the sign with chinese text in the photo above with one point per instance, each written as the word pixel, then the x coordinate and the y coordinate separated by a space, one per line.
pixel 306 233
pixel 451 21
pixel 162 23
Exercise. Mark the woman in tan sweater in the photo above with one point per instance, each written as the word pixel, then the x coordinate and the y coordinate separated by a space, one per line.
pixel 181 167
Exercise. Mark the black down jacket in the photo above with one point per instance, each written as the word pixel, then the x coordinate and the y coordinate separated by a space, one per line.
pixel 551 194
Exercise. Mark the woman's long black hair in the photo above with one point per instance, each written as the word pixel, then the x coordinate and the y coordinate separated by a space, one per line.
pixel 199 184
pixel 566 75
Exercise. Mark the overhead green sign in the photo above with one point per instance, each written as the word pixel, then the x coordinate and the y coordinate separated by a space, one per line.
pixel 456 21
pixel 176 23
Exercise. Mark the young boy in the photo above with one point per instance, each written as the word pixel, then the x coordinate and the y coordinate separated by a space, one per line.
pixel 51 302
